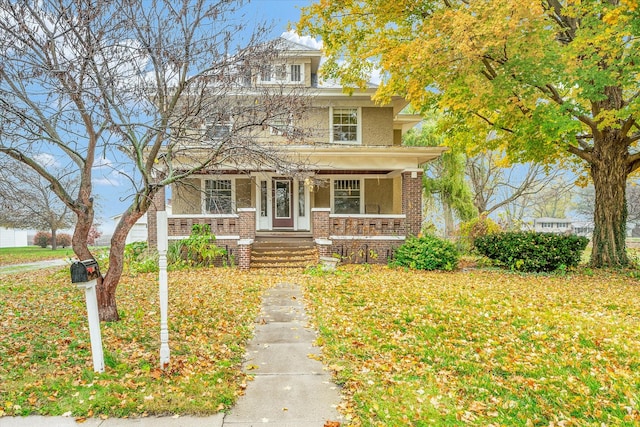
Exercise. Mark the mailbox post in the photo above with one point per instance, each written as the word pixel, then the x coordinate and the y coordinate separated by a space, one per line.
pixel 165 353
pixel 85 274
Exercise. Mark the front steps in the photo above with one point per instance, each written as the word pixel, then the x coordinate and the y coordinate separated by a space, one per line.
pixel 280 251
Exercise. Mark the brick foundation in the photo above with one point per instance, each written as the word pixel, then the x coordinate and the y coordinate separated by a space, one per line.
pixel 365 251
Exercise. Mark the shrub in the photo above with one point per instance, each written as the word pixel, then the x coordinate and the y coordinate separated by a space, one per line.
pixel 42 239
pixel 199 248
pixel 63 240
pixel 477 227
pixel 426 253
pixel 139 259
pixel 533 252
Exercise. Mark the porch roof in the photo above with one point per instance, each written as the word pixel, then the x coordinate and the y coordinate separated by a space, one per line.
pixel 359 157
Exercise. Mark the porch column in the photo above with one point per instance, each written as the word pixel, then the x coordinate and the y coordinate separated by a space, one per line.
pixel 321 230
pixel 247 232
pixel 412 201
pixel 244 254
pixel 157 204
pixel 247 223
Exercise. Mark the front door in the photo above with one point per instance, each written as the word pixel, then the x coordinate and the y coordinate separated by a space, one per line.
pixel 282 203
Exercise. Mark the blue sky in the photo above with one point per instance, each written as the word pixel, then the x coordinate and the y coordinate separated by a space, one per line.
pixel 111 189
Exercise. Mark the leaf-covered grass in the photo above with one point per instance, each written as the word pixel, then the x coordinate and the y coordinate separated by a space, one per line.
pixel 409 348
pixel 10 256
pixel 45 351
pixel 481 348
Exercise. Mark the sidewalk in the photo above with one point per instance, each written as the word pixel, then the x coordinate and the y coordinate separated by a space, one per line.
pixel 29 266
pixel 289 389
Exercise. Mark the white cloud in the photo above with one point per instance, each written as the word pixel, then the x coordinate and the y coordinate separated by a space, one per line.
pixel 112 179
pixel 102 162
pixel 46 160
pixel 303 40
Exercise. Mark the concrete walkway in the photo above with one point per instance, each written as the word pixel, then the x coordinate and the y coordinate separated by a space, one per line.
pixel 289 388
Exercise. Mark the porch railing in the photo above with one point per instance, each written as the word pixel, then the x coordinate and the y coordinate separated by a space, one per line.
pixel 367 225
pixel 221 225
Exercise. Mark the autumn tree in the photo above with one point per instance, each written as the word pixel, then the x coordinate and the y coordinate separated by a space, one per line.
pixel 444 178
pixel 26 199
pixel 161 88
pixel 550 80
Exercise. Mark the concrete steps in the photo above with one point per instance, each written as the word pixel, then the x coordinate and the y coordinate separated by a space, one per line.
pixel 283 252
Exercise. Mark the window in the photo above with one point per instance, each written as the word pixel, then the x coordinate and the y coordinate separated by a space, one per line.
pixel 301 200
pixel 344 123
pixel 263 198
pixel 281 72
pixel 346 196
pixel 218 196
pixel 265 75
pixel 296 73
pixel 280 126
pixel 219 128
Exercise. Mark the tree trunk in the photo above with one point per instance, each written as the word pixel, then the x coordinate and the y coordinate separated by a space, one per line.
pixel 448 220
pixel 609 173
pixel 107 306
pixel 54 240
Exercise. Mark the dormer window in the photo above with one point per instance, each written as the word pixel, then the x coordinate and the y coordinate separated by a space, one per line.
pixel 292 73
pixel 296 73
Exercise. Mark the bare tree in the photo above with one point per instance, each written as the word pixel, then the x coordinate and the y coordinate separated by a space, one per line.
pixel 28 202
pixel 496 185
pixel 161 88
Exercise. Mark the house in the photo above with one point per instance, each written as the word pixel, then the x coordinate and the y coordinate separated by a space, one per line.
pixel 13 238
pixel 553 225
pixel 359 196
pixel 138 232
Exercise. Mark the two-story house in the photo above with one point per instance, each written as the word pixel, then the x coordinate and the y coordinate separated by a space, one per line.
pixel 359 197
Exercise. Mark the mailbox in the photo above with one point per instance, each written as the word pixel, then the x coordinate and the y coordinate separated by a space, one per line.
pixel 84 271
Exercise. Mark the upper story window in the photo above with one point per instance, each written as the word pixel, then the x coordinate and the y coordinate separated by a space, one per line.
pixel 296 73
pixel 220 128
pixel 218 196
pixel 282 73
pixel 281 126
pixel 345 125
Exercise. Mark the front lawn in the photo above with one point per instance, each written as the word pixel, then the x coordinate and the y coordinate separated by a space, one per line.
pixel 484 348
pixel 11 256
pixel 481 348
pixel 45 352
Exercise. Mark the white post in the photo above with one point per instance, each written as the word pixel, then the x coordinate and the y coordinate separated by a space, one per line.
pixel 94 324
pixel 163 245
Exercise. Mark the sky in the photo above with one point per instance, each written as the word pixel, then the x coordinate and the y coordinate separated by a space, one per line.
pixel 110 187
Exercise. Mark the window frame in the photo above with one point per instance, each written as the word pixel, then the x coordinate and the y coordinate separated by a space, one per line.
pixel 361 189
pixel 358 126
pixel 206 195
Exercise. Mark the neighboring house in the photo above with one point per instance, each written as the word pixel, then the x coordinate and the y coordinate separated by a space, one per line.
pixel 360 199
pixel 553 225
pixel 13 238
pixel 138 232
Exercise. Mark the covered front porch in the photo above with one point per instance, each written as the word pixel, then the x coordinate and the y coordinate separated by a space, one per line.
pixel 359 203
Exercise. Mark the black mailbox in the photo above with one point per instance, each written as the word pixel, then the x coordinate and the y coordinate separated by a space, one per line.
pixel 84 271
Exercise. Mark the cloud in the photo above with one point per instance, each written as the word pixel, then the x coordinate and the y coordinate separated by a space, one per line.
pixel 46 160
pixel 102 162
pixel 112 179
pixel 303 40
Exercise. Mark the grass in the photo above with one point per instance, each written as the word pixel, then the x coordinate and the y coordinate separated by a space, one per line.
pixel 45 359
pixel 484 348
pixel 10 256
